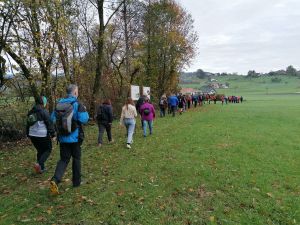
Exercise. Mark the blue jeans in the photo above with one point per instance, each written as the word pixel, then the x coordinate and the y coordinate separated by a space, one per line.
pixel 150 125
pixel 130 126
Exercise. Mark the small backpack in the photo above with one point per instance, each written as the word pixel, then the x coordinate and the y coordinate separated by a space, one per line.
pixel 32 118
pixel 64 118
pixel 146 111
pixel 101 116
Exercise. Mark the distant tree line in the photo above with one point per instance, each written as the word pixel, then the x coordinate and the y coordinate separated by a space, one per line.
pixel 289 71
pixel 187 77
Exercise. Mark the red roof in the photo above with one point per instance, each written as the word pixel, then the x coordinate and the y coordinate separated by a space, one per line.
pixel 188 90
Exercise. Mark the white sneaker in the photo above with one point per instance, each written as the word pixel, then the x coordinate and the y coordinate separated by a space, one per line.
pixel 128 146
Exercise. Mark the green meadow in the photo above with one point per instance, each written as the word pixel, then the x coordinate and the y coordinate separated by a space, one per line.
pixel 230 164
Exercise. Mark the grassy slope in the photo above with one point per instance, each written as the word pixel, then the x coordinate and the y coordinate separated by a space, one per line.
pixel 236 164
pixel 258 86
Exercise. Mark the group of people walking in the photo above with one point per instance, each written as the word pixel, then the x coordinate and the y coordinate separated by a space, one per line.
pixel 66 121
pixel 65 125
pixel 129 114
pixel 67 118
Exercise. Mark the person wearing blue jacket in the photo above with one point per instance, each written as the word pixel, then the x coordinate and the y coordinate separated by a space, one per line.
pixel 173 101
pixel 70 144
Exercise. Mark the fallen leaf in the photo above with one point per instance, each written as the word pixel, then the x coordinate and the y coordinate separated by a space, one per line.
pixel 270 195
pixel 24 179
pixel 83 197
pixel 120 193
pixel 6 192
pixel 191 190
pixel 49 210
pixel 41 219
pixel 256 189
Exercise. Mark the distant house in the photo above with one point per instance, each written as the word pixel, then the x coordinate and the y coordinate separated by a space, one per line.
pixel 215 85
pixel 208 90
pixel 223 86
pixel 189 91
pixel 212 80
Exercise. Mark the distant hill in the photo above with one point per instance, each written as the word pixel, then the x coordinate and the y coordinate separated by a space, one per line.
pixel 195 77
pixel 191 77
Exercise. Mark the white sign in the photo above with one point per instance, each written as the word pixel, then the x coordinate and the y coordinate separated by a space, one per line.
pixel 135 92
pixel 146 91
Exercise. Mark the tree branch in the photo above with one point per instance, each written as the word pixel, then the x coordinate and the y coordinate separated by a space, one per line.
pixel 115 11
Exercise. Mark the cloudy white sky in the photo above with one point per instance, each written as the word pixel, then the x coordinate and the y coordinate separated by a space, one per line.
pixel 241 35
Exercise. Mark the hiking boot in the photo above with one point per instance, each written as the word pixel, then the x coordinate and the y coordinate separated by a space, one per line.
pixel 112 141
pixel 53 188
pixel 128 146
pixel 99 145
pixel 37 168
pixel 77 185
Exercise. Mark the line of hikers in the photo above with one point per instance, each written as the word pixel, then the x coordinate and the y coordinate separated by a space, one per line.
pixel 65 124
pixel 183 102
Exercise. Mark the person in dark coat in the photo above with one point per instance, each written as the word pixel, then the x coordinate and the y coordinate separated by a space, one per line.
pixel 163 105
pixel 104 119
pixel 138 105
pixel 180 103
pixel 40 131
pixel 195 100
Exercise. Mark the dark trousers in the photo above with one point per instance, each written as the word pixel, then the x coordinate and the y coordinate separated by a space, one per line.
pixel 68 150
pixel 195 104
pixel 162 111
pixel 173 109
pixel 43 146
pixel 104 127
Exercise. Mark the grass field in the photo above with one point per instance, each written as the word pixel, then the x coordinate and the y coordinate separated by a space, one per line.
pixel 255 86
pixel 231 164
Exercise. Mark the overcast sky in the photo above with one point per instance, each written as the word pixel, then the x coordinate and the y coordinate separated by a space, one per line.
pixel 241 35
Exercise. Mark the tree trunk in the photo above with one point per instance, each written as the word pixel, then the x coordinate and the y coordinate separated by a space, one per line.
pixel 127 65
pixel 100 58
pixel 2 69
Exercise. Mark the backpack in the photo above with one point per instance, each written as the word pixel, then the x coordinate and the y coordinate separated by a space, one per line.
pixel 146 111
pixel 64 118
pixel 101 116
pixel 32 118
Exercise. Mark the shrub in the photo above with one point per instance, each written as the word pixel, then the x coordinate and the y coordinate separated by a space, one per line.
pixel 276 80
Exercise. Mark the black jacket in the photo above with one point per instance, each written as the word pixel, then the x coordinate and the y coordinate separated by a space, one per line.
pixel 104 114
pixel 42 115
